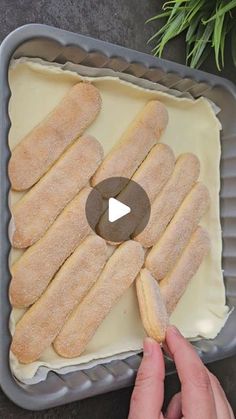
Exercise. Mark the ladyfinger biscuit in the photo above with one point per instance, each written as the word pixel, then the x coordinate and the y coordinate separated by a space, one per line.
pixel 117 276
pixel 43 321
pixel 151 305
pixel 186 172
pixel 151 175
pixel 32 273
pixel 37 152
pixel 155 170
pixel 143 133
pixel 174 284
pixel 163 256
pixel 37 210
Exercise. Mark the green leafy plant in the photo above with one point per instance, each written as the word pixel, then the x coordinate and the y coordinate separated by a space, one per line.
pixel 206 23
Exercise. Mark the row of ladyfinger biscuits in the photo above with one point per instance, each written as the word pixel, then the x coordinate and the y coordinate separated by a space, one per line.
pixel 145 178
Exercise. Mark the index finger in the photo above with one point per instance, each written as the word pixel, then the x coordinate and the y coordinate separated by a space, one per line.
pixel 197 395
pixel 148 394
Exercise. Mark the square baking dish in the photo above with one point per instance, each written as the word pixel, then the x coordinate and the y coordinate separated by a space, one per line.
pixel 55 45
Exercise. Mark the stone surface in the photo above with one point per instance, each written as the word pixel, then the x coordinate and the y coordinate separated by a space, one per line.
pixel 121 22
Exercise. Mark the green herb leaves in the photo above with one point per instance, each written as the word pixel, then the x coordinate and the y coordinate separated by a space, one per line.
pixel 207 23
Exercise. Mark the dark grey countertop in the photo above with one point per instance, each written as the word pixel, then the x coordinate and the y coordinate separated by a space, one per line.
pixel 121 22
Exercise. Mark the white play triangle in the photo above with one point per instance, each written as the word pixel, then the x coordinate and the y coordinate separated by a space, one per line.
pixel 116 210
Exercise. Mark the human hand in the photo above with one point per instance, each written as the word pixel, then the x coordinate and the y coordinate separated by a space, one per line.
pixel 201 396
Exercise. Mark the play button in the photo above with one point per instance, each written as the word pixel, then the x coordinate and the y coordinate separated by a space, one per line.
pixel 116 210
pixel 122 216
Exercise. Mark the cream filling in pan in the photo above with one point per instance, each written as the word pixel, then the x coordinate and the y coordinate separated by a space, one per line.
pixel 193 127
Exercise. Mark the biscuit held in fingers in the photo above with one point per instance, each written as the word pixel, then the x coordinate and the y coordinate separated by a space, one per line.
pixel 39 149
pixel 151 305
pixel 136 142
pixel 117 276
pixel 42 322
pixel 175 283
pixel 186 172
pixel 37 210
pixel 32 273
pixel 163 256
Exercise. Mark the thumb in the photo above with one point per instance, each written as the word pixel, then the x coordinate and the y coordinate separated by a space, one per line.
pixel 148 394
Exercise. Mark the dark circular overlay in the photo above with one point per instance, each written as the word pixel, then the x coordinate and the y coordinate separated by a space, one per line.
pixel 126 227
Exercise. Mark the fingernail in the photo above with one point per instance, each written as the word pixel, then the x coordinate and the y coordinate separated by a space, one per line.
pixel 174 330
pixel 148 346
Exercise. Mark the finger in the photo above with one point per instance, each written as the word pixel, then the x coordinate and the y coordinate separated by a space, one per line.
pixel 195 384
pixel 174 410
pixel 223 407
pixel 148 394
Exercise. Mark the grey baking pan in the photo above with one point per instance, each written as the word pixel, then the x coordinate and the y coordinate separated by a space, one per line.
pixel 59 46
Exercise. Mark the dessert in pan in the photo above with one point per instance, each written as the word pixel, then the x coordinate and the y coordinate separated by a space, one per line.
pixel 69 278
pixel 175 213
